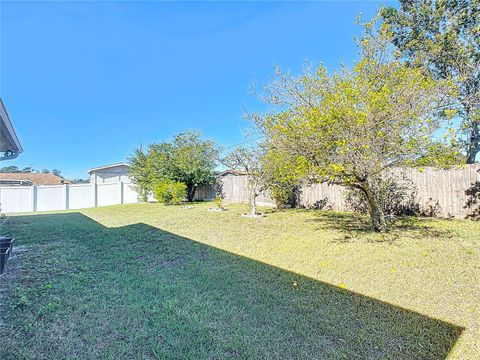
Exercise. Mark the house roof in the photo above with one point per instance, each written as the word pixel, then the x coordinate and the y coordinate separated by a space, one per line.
pixel 107 167
pixel 8 138
pixel 35 178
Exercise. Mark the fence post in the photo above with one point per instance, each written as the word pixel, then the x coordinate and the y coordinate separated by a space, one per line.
pixel 66 196
pixel 34 198
pixel 94 190
pixel 121 189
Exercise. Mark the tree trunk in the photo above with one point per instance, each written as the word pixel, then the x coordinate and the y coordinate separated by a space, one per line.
pixel 376 212
pixel 191 192
pixel 473 144
pixel 143 195
pixel 253 204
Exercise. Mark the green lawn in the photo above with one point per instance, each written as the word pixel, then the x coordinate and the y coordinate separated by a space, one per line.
pixel 148 281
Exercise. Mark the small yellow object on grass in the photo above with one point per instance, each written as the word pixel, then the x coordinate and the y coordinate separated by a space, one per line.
pixel 295 284
pixel 324 264
pixel 342 285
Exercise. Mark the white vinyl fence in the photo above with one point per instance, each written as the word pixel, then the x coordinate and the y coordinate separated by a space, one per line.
pixel 14 199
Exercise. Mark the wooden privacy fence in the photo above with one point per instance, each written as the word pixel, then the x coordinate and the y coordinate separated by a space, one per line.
pixel 440 192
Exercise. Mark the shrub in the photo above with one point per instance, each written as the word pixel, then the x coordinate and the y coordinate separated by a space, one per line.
pixel 281 193
pixel 473 200
pixel 395 193
pixel 170 192
pixel 322 204
pixel 218 201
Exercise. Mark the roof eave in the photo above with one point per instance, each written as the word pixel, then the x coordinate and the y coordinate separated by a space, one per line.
pixel 8 131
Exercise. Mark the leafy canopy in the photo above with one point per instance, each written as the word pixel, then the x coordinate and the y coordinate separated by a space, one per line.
pixel 443 37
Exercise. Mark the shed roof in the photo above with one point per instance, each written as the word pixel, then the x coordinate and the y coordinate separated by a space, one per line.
pixel 231 172
pixel 107 167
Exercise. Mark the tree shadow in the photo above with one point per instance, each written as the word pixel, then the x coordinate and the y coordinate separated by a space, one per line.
pixel 355 226
pixel 87 291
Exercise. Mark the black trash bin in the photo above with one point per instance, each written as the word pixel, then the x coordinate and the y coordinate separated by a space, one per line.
pixel 6 241
pixel 4 253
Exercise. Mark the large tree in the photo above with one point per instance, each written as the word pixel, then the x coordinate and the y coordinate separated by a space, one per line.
pixel 443 37
pixel 194 161
pixel 353 126
pixel 188 159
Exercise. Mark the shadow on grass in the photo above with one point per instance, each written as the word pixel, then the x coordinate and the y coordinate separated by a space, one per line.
pixel 354 225
pixel 87 291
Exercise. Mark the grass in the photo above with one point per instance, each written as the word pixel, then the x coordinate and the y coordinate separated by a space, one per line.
pixel 151 282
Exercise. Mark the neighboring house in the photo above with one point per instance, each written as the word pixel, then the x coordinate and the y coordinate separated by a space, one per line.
pixel 9 144
pixel 110 173
pixel 29 179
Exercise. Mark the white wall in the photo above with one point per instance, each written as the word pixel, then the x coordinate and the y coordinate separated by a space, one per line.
pixel 51 197
pixel 108 194
pixel 130 195
pixel 16 199
pixel 80 196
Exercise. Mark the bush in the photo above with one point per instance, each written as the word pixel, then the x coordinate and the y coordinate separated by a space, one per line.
pixel 395 193
pixel 281 193
pixel 473 200
pixel 170 192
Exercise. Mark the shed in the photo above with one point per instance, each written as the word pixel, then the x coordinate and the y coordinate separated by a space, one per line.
pixel 112 173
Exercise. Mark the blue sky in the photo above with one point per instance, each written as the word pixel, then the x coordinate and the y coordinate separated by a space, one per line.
pixel 87 82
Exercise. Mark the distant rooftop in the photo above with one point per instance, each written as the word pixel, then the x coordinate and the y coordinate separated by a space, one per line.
pixel 33 178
